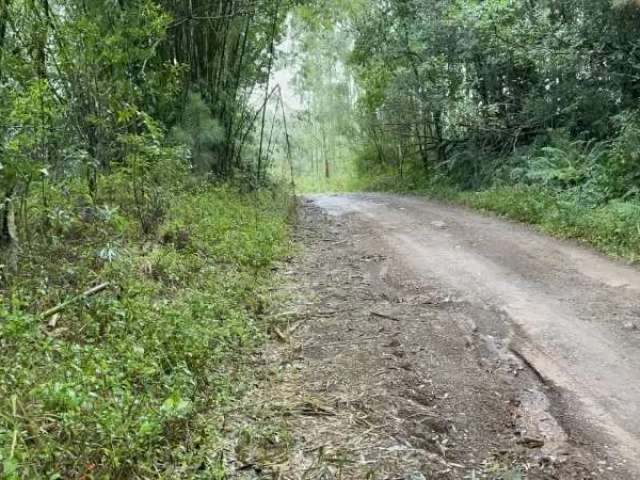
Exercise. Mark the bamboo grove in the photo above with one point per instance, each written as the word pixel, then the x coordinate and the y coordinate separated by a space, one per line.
pixel 139 89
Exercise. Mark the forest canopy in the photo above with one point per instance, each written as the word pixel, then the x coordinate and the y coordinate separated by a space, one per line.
pixel 460 86
pixel 143 89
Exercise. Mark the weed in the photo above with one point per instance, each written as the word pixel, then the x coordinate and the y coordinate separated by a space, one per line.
pixel 127 383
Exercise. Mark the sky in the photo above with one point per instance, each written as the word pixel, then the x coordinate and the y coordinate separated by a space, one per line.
pixel 286 69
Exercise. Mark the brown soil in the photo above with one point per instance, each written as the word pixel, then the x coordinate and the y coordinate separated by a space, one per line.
pixel 383 371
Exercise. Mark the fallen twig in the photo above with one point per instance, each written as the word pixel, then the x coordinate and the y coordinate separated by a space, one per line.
pixel 92 291
pixel 296 326
pixel 281 336
pixel 386 317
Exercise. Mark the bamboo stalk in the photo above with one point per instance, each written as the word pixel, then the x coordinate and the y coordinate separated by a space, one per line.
pixel 88 293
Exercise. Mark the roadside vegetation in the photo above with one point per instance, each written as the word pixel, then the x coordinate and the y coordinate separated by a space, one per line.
pixel 527 109
pixel 130 381
pixel 138 229
pixel 569 188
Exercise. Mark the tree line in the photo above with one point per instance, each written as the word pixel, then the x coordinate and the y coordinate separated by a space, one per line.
pixel 141 92
pixel 473 91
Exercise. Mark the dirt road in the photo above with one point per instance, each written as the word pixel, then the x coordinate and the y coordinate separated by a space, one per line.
pixel 428 341
pixel 571 313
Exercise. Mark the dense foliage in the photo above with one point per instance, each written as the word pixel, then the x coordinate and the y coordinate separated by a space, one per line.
pixel 458 86
pixel 533 101
pixel 118 120
pixel 137 88
pixel 128 383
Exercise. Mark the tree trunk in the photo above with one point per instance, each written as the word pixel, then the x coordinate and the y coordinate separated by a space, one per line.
pixel 325 154
pixel 267 86
pixel 8 236
pixel 8 239
pixel 4 19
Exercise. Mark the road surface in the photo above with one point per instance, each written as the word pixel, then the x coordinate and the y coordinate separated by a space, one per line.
pixel 569 312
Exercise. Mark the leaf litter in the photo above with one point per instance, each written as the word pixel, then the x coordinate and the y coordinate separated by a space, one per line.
pixel 373 375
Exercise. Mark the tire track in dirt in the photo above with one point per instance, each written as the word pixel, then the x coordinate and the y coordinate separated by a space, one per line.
pixel 379 374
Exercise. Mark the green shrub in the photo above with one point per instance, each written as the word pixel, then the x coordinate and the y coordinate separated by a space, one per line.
pixel 128 383
pixel 523 203
pixel 613 227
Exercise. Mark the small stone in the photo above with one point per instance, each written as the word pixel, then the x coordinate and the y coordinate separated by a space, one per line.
pixel 530 442
pixel 393 343
pixel 415 476
pixel 439 224
pixel 468 341
pixel 406 366
pixel 548 460
pixel 630 326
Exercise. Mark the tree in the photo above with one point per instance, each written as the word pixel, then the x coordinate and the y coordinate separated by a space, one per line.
pixel 461 83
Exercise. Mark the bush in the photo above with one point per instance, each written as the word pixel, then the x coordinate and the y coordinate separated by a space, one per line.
pixel 127 383
pixel 613 227
pixel 523 203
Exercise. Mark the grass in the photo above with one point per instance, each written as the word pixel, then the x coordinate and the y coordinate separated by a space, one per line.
pixel 343 178
pixel 130 383
pixel 612 227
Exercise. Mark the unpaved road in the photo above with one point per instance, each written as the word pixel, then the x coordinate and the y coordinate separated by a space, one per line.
pixel 416 340
pixel 569 312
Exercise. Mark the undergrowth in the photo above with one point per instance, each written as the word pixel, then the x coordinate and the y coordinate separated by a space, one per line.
pixel 570 189
pixel 129 382
pixel 613 227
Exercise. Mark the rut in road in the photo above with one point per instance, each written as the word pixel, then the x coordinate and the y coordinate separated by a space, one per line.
pixel 403 352
pixel 572 313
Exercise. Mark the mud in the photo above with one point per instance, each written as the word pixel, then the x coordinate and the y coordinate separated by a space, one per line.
pixel 400 358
